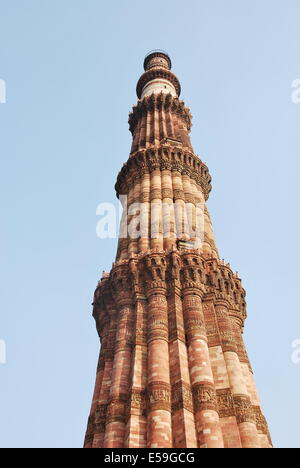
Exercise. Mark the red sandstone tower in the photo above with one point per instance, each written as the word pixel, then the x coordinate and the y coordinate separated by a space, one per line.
pixel 173 369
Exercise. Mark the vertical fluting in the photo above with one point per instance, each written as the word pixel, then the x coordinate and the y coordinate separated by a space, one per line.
pixel 135 216
pixel 179 206
pixel 156 210
pixel 162 119
pixel 228 422
pixel 98 410
pixel 189 206
pixel 241 400
pixel 183 420
pixel 148 129
pixel 205 401
pixel 199 203
pixel 169 124
pixel 263 433
pixel 144 241
pixel 108 358
pixel 168 215
pixel 122 250
pixel 131 211
pixel 120 390
pixel 91 430
pixel 136 430
pixel 142 139
pixel 156 138
pixel 136 137
pixel 175 126
pixel 159 434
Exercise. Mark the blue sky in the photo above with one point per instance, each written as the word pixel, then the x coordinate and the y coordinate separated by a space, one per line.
pixel 70 69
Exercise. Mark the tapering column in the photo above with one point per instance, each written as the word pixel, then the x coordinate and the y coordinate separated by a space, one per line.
pixel 158 388
pixel 132 213
pixel 120 390
pixel 190 205
pixel 228 422
pixel 183 420
pixel 168 216
pixel 260 421
pixel 136 431
pixel 103 314
pixel 173 369
pixel 102 403
pixel 98 409
pixel 156 210
pixel 91 429
pixel 144 241
pixel 162 117
pixel 179 198
pixel 205 400
pixel 241 401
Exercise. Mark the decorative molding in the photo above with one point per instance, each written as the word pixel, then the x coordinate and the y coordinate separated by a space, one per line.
pixel 159 396
pixel 182 397
pixel 204 396
pixel 171 157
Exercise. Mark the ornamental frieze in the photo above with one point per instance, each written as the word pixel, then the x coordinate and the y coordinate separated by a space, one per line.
pixel 142 161
pixel 158 329
pixel 167 193
pixel 259 419
pixel 166 166
pixel 192 302
pixel 204 397
pixel 138 402
pixel 194 324
pixel 189 198
pixel 157 323
pixel 243 409
pixel 159 300
pixel 182 397
pixel 155 194
pixel 261 422
pixel 159 396
pixel 179 194
pixel 227 336
pixel 213 337
pixel 222 312
pixel 225 403
pixel 116 411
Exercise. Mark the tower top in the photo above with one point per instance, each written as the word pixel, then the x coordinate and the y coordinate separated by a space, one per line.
pixel 157 77
pixel 157 58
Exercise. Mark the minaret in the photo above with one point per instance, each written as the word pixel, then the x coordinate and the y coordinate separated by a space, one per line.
pixel 173 369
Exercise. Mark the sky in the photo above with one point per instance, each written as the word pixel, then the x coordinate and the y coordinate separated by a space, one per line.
pixel 70 69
